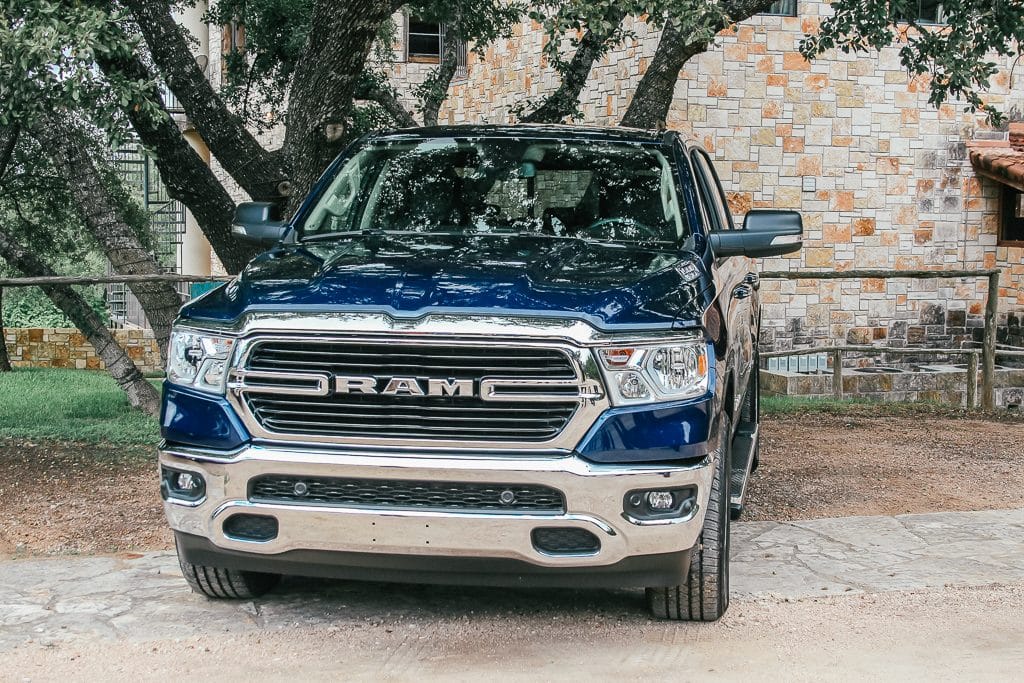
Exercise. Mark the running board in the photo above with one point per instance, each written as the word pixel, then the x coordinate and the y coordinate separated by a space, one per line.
pixel 744 445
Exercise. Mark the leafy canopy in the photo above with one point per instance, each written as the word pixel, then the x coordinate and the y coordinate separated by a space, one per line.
pixel 956 53
pixel 696 19
pixel 48 51
pixel 259 77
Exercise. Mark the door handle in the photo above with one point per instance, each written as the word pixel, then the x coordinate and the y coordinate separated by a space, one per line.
pixel 752 279
pixel 742 292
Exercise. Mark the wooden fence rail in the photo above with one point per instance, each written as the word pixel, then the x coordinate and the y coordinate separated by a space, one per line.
pixel 105 279
pixel 988 346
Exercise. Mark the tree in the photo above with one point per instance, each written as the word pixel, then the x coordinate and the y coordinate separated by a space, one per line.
pixel 118 227
pixel 25 198
pixel 325 72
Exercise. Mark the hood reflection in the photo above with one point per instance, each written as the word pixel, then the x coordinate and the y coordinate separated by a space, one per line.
pixel 608 284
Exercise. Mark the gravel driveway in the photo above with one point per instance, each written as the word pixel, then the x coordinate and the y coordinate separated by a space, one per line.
pixel 908 597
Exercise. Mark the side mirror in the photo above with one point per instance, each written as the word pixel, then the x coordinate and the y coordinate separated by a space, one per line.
pixel 765 232
pixel 259 222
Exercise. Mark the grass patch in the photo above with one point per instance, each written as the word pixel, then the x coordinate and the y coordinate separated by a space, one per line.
pixel 70 405
pixel 803 405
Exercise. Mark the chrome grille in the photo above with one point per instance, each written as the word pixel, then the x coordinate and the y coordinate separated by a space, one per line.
pixel 284 406
pixel 386 358
pixel 398 493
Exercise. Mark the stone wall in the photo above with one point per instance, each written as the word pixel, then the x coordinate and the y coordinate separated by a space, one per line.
pixel 67 348
pixel 881 177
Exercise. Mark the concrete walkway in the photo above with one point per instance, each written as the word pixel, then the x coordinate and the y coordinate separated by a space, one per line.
pixel 143 597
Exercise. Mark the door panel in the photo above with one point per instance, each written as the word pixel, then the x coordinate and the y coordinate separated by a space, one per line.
pixel 735 279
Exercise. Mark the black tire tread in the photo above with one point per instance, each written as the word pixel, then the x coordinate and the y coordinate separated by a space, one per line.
pixel 226 584
pixel 702 597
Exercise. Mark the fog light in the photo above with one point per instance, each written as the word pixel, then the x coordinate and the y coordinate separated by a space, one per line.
pixel 186 482
pixel 659 505
pixel 660 500
pixel 180 485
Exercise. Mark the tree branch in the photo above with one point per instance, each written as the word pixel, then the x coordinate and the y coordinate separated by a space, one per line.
pixel 106 220
pixel 324 85
pixel 564 101
pixel 183 172
pixel 259 172
pixel 653 95
pixel 371 88
pixel 434 90
pixel 8 139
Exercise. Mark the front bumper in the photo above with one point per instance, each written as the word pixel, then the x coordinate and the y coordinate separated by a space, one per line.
pixel 321 534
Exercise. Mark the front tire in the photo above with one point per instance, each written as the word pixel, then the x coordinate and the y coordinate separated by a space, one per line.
pixel 226 584
pixel 705 595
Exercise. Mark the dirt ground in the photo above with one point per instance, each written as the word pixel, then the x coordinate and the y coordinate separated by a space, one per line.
pixel 66 498
pixel 969 634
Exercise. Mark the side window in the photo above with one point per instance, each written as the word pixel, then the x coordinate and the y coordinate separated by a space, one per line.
pixel 711 192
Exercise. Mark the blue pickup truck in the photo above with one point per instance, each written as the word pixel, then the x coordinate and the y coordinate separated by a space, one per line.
pixel 506 355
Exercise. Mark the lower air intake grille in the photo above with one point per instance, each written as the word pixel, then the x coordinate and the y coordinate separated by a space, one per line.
pixel 398 494
pixel 251 527
pixel 565 541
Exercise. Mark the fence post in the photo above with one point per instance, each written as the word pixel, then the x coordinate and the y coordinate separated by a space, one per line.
pixel 837 374
pixel 972 380
pixel 988 349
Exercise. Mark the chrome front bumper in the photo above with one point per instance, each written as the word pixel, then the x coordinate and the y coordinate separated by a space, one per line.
pixel 593 494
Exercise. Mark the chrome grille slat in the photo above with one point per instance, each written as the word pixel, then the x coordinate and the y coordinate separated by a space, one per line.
pixel 460 418
pixel 354 428
pixel 491 409
pixel 371 356
pixel 298 425
pixel 405 367
pixel 394 416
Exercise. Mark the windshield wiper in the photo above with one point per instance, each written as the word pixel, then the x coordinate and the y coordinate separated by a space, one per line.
pixel 326 236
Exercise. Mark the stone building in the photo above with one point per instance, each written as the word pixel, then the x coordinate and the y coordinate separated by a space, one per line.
pixel 882 179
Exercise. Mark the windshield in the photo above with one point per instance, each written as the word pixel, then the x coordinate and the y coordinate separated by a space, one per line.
pixel 575 189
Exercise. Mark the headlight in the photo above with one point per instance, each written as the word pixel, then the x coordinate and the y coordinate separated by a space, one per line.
pixel 648 374
pixel 199 360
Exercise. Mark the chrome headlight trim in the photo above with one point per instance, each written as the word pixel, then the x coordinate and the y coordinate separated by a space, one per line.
pixel 632 379
pixel 200 359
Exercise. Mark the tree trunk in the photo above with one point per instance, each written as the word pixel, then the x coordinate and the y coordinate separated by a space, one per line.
pixel 5 360
pixel 325 82
pixel 257 171
pixel 435 88
pixel 8 138
pixel 653 95
pixel 141 394
pixel 105 218
pixel 185 175
pixel 565 101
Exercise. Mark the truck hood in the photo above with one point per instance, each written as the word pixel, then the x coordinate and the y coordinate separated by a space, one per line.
pixel 409 275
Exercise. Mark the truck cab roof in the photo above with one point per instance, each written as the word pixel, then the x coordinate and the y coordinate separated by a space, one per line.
pixel 532 130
